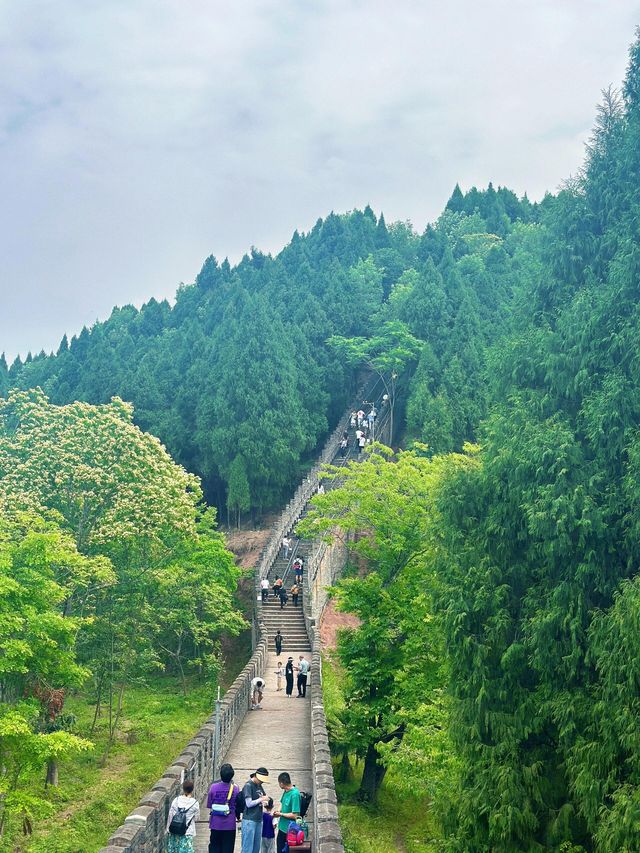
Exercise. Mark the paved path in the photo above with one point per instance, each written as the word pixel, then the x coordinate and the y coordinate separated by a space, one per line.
pixel 277 737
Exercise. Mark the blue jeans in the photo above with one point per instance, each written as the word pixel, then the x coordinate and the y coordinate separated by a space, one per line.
pixel 251 836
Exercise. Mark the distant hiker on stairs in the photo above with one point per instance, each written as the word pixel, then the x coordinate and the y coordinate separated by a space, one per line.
pixel 264 589
pixel 278 641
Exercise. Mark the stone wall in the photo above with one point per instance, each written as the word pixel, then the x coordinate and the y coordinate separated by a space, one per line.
pixel 323 568
pixel 143 830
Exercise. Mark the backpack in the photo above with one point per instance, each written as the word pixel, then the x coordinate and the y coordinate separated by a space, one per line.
pixel 179 823
pixel 295 834
pixel 305 800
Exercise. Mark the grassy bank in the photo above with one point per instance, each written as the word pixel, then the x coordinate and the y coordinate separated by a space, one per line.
pixel 400 821
pixel 92 800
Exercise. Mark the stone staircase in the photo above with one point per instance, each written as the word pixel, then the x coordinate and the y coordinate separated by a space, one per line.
pixel 289 619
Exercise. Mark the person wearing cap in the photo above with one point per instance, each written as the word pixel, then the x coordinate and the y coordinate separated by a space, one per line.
pixel 254 800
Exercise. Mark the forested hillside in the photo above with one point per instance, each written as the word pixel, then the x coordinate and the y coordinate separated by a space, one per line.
pixel 236 378
pixel 497 659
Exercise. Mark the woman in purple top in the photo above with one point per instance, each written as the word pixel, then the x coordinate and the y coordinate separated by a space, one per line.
pixel 223 795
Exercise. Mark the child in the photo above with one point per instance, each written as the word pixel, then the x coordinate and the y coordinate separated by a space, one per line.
pixel 268 844
pixel 279 673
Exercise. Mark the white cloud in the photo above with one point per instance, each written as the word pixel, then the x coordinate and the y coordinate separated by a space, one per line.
pixel 138 136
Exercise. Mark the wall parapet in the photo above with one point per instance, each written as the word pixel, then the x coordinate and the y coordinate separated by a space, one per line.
pixel 143 830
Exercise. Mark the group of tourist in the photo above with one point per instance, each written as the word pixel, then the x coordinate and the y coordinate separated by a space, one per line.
pixel 363 426
pixel 264 827
pixel 279 589
pixel 287 674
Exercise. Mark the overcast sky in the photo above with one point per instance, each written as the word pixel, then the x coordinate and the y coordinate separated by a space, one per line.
pixel 139 136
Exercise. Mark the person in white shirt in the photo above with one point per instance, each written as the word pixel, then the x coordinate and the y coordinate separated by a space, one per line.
pixel 286 547
pixel 257 689
pixel 303 670
pixel 264 589
pixel 186 809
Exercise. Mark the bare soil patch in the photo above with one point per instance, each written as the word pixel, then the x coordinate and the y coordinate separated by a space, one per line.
pixel 331 622
pixel 247 545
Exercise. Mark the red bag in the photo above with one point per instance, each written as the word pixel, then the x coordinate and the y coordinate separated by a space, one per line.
pixel 295 834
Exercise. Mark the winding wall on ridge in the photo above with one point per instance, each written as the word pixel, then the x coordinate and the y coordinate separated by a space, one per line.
pixel 143 830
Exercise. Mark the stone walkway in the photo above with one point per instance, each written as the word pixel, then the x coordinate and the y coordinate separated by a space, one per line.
pixel 276 737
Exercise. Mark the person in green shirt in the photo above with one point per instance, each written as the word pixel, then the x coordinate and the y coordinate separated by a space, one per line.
pixel 289 809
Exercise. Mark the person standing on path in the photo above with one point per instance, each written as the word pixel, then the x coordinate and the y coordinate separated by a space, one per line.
pixel 278 640
pixel 268 844
pixel 254 800
pixel 299 569
pixel 289 809
pixel 222 798
pixel 288 675
pixel 295 592
pixel 303 669
pixel 279 674
pixel 187 804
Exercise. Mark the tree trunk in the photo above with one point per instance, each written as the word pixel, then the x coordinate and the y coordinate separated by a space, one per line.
pixel 52 773
pixel 118 712
pixel 345 771
pixel 98 705
pixel 178 657
pixel 113 723
pixel 372 776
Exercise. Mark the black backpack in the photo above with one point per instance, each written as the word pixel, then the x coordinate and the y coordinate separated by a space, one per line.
pixel 179 823
pixel 305 800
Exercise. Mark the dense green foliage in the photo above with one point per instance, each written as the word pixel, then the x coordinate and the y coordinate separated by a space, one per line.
pixel 529 551
pixel 542 610
pixel 236 378
pixel 94 797
pixel 495 656
pixel 110 572
pixel 238 366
